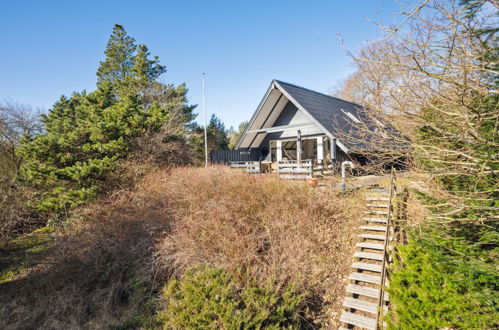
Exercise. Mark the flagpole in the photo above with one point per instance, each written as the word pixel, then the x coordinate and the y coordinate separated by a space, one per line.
pixel 205 133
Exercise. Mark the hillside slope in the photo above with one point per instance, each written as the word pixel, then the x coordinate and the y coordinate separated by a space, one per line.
pixel 108 265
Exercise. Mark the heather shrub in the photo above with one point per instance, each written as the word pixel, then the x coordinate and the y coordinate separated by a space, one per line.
pixel 260 228
pixel 210 298
pixel 96 272
pixel 282 247
pixel 16 216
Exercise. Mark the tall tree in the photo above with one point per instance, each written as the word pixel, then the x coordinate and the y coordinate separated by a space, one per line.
pixel 120 54
pixel 217 134
pixel 127 67
pixel 87 133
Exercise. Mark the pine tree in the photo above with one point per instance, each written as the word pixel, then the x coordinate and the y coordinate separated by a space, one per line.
pixel 119 60
pixel 87 133
pixel 217 134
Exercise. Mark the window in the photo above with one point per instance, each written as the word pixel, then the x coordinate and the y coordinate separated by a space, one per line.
pixel 379 123
pixel 351 116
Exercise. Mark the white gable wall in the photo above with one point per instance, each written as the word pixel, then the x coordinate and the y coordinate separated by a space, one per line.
pixel 304 131
pixel 291 115
pixel 276 110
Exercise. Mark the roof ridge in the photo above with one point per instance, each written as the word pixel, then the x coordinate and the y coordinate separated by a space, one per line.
pixel 316 92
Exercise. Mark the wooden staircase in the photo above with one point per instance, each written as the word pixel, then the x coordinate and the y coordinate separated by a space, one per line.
pixel 365 297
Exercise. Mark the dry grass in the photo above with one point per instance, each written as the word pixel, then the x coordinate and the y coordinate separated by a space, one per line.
pixel 104 269
pixel 16 217
pixel 261 228
pixel 98 271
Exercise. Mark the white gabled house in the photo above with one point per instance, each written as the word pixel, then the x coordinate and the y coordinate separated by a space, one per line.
pixel 296 123
pixel 287 111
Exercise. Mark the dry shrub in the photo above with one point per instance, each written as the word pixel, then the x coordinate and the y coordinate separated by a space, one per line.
pixel 16 217
pixel 98 272
pixel 150 152
pixel 260 228
pixel 105 268
pixel 163 149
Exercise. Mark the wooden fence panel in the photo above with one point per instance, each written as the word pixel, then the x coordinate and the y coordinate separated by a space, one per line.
pixel 294 170
pixel 249 167
pixel 239 155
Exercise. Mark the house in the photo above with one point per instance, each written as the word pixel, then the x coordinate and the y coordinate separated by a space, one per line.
pixel 293 123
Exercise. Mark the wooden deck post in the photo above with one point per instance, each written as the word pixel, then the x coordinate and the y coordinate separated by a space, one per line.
pixel 279 150
pixel 320 149
pixel 298 146
pixel 333 149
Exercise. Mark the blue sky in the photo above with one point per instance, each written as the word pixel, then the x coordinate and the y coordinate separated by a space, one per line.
pixel 51 48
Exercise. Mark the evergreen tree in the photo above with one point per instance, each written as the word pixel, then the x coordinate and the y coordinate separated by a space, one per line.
pixel 120 53
pixel 217 134
pixel 87 133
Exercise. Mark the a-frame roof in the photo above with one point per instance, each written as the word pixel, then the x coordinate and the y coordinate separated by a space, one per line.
pixel 332 115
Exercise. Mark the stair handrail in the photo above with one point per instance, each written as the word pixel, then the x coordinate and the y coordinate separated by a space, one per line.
pixel 393 193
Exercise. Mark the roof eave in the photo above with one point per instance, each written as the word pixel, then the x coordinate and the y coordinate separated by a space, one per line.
pixel 299 106
pixel 255 114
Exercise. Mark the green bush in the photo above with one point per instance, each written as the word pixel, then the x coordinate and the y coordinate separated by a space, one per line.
pixel 208 298
pixel 431 290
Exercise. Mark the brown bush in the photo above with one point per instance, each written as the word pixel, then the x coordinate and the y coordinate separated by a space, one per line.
pixel 16 216
pixel 261 228
pixel 151 152
pixel 17 121
pixel 106 267
pixel 98 272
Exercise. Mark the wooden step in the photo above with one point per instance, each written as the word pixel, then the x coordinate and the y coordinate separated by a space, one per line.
pixel 379 199
pixel 375 220
pixel 376 212
pixel 378 205
pixel 372 246
pixel 365 291
pixel 358 320
pixel 365 266
pixel 367 255
pixel 375 228
pixel 372 236
pixel 360 305
pixel 374 279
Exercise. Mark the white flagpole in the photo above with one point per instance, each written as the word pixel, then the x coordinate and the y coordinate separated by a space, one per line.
pixel 205 133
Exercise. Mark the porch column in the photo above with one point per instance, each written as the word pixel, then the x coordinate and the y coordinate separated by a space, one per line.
pixel 320 149
pixel 298 146
pixel 279 150
pixel 333 149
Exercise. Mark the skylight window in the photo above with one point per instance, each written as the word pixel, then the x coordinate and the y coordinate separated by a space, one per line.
pixel 352 117
pixel 379 123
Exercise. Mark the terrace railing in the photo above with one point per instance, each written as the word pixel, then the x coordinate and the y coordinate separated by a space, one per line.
pixel 249 167
pixel 323 168
pixel 294 170
pixel 288 169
